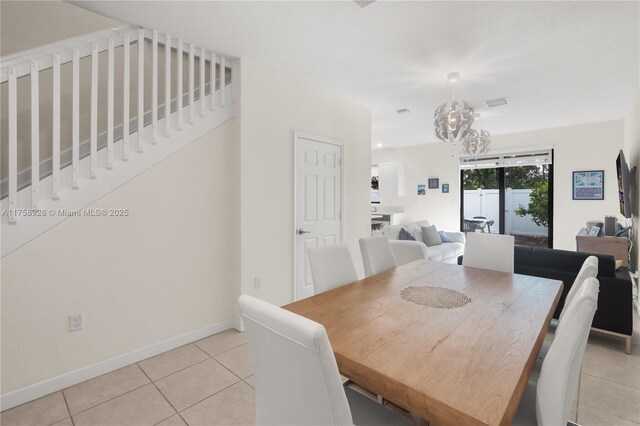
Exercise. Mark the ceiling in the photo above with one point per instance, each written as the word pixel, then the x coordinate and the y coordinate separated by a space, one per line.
pixel 558 63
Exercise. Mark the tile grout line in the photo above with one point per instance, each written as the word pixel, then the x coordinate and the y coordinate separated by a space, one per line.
pixel 67 404
pixel 593 407
pixel 183 419
pixel 229 370
pixel 207 397
pixel 605 411
pixel 611 381
pixel 110 399
pixel 198 347
pixel 240 379
pixel 163 396
pixel 223 352
pixel 175 372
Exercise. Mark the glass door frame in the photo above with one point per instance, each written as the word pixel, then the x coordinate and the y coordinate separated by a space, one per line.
pixel 500 174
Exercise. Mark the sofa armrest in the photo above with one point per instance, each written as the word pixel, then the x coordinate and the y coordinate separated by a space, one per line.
pixel 408 251
pixel 615 306
pixel 457 236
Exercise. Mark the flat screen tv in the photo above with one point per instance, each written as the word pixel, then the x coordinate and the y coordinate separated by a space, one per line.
pixel 626 181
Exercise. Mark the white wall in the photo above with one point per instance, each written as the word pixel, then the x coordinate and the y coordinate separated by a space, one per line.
pixel 28 24
pixel 169 268
pixel 422 162
pixel 593 146
pixel 272 108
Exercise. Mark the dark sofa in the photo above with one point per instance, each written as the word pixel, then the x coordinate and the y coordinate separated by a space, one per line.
pixel 615 310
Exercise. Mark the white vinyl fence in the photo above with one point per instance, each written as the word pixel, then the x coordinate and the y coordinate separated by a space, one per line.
pixel 485 202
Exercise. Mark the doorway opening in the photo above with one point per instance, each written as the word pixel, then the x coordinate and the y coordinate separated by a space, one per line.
pixel 509 194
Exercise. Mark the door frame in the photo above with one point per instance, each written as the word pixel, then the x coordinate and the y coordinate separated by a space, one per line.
pixel 500 174
pixel 302 135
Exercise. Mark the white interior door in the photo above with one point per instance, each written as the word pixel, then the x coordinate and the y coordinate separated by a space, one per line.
pixel 318 203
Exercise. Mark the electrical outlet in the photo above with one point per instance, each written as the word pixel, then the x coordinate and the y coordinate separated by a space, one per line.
pixel 257 282
pixel 75 322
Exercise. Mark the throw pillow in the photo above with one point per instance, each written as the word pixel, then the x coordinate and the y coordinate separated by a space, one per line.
pixel 445 238
pixel 406 235
pixel 430 236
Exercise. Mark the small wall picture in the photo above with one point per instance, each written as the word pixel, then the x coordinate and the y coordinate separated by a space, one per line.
pixel 445 188
pixel 421 189
pixel 434 183
pixel 588 185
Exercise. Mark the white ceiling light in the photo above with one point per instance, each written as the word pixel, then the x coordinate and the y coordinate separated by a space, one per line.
pixel 454 123
pixel 476 143
pixel 453 119
pixel 379 145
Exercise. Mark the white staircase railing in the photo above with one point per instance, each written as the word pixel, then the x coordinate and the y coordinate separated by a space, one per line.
pixel 42 193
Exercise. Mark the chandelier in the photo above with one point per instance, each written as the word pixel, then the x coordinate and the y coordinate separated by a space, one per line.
pixel 476 142
pixel 453 122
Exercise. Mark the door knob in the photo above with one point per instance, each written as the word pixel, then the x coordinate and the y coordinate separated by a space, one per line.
pixel 302 231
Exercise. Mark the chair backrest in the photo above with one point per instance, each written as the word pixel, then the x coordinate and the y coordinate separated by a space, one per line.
pixel 489 251
pixel 296 375
pixel 589 269
pixel 376 255
pixel 560 371
pixel 470 225
pixel 331 267
pixel 408 251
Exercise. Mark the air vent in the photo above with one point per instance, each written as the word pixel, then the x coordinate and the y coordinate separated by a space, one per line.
pixel 495 102
pixel 364 3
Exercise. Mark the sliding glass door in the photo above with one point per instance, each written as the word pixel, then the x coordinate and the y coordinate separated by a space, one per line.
pixel 513 199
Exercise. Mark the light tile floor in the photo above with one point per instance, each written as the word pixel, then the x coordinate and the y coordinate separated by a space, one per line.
pixel 210 382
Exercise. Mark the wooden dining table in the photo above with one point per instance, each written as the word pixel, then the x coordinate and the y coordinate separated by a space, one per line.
pixel 465 365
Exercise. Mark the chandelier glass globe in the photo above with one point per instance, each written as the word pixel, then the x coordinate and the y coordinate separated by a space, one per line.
pixel 453 120
pixel 476 142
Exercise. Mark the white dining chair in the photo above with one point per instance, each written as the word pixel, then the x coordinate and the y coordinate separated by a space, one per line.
pixel 296 375
pixel 376 255
pixel 489 251
pixel 548 398
pixel 408 251
pixel 589 269
pixel 331 267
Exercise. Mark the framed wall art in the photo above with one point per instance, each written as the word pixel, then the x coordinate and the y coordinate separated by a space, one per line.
pixel 588 185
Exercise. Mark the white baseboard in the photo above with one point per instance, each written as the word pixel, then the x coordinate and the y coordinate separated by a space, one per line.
pixel 45 387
